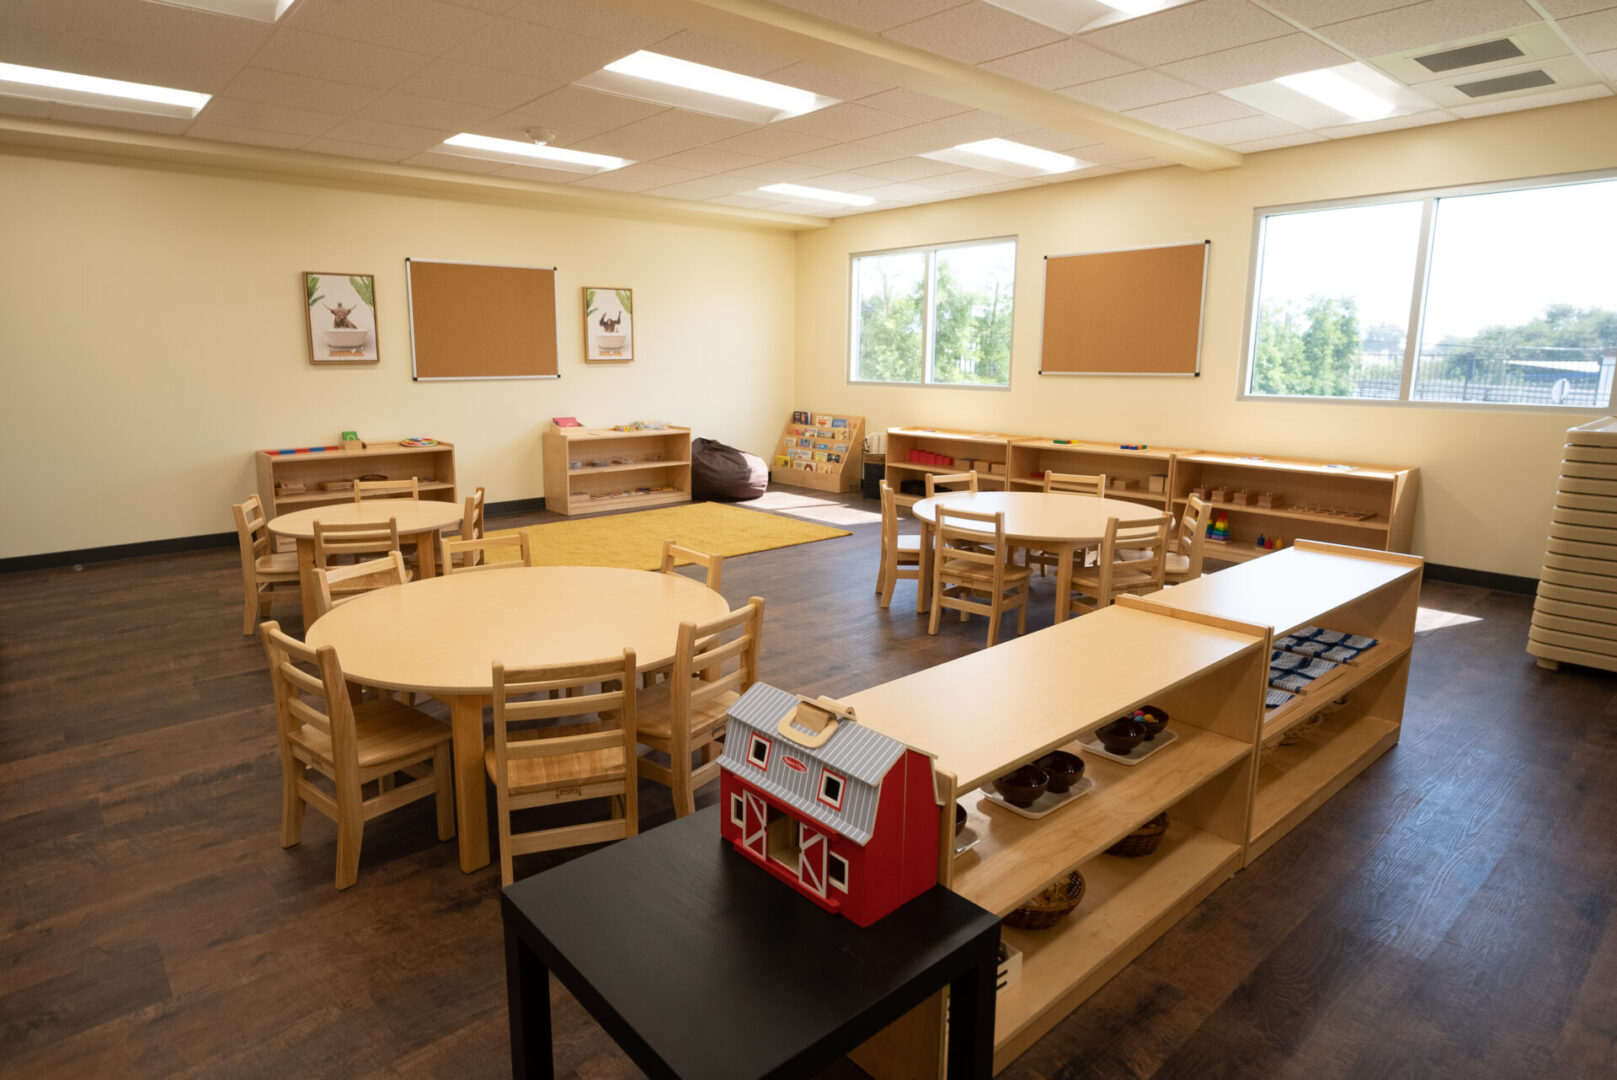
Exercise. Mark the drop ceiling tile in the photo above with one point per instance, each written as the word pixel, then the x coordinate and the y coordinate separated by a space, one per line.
pixel 974 32
pixel 1393 123
pixel 1561 9
pixel 418 111
pixel 901 193
pixel 1061 63
pixel 633 147
pixel 52 15
pixel 873 15
pixel 825 81
pixel 256 114
pixel 538 174
pixel 298 91
pixel 1133 91
pixel 579 113
pixel 639 178
pixel 284 140
pixel 78 114
pixel 1143 164
pixel 493 7
pixel 704 187
pixel 846 181
pixel 745 201
pixel 908 169
pixel 170 29
pixel 422 26
pixel 321 57
pixel 1593 33
pixel 1435 22
pixel 1605 63
pixel 1062 142
pixel 914 105
pixel 382 133
pixel 708 160
pixel 1102 154
pixel 1253 127
pixel 719 53
pixel 1077 174
pixel 1205 109
pixel 111 60
pixel 35 47
pixel 964 180
pixel 919 139
pixel 771 142
pixel 1258 62
pixel 779 172
pixel 344 148
pixel 473 85
pixel 844 122
pixel 593 21
pixel 1533 101
pixel 1182 32
pixel 846 156
pixel 1320 12
pixel 454 162
pixel 987 125
pixel 554 57
pixel 1279 142
pixel 685 128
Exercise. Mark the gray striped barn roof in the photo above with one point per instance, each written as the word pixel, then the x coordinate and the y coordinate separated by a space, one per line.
pixel 861 756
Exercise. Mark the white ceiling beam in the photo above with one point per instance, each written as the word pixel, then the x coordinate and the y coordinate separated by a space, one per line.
pixel 855 52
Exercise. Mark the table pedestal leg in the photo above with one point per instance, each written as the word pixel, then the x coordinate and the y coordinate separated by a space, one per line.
pixel 306 588
pixel 527 995
pixel 426 553
pixel 1063 581
pixel 471 803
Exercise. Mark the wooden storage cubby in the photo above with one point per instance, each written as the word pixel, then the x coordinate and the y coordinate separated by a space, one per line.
pixel 1038 456
pixel 985 714
pixel 816 470
pixel 1385 494
pixel 962 446
pixel 433 466
pixel 629 460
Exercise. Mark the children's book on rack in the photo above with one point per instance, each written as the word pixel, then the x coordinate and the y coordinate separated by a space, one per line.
pixel 823 451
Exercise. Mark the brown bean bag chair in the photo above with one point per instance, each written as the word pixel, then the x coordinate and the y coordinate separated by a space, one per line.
pixel 725 474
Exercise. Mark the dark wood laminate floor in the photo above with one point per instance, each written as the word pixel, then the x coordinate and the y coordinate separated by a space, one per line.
pixel 1448 914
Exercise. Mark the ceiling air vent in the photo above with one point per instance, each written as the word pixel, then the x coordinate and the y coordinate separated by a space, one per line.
pixel 1523 80
pixel 1484 52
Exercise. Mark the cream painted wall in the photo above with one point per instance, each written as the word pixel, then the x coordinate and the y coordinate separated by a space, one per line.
pixel 1486 475
pixel 152 336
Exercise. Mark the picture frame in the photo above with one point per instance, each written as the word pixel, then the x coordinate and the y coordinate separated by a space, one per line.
pixel 608 325
pixel 340 318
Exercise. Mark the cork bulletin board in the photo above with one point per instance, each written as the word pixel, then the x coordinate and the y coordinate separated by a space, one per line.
pixel 1131 312
pixel 481 322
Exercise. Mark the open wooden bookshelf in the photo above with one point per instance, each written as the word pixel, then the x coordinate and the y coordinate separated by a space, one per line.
pixel 988 453
pixel 1131 474
pixel 432 466
pixel 823 451
pixel 593 470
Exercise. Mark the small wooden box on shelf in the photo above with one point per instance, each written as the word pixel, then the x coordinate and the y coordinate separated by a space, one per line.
pixel 616 470
pixel 433 466
pixel 823 451
pixel 1143 475
pixel 914 452
pixel 1370 506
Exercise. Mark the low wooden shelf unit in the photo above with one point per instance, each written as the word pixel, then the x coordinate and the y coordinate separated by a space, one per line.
pixel 987 453
pixel 616 470
pixel 433 466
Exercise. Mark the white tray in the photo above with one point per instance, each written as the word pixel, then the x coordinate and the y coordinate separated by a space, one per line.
pixel 1091 743
pixel 1048 803
pixel 965 840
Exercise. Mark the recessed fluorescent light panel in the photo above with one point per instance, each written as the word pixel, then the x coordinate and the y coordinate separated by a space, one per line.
pixel 64 87
pixel 1008 158
pixel 814 194
pixel 1347 94
pixel 257 10
pixel 527 153
pixel 668 80
pixel 1076 16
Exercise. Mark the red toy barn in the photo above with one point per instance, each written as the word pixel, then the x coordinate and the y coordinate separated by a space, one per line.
pixel 846 816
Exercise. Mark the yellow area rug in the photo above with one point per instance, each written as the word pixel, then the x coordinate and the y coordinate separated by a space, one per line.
pixel 635 541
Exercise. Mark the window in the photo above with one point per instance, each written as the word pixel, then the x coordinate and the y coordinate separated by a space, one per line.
pixel 939 315
pixel 738 812
pixel 1503 296
pixel 830 788
pixel 758 751
pixel 837 872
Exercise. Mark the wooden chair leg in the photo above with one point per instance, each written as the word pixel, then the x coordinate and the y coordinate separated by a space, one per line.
pixel 1021 612
pixel 889 582
pixel 350 831
pixel 503 808
pixel 443 774
pixel 993 622
pixel 937 610
pixel 249 617
pixel 291 808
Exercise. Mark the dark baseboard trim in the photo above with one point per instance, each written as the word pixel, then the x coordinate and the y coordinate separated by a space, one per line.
pixel 52 559
pixel 1459 575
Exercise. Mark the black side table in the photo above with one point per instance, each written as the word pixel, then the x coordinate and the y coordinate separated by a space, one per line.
pixel 701 965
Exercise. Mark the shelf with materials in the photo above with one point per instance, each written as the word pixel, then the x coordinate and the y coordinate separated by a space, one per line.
pixel 658 457
pixel 432 466
pixel 970 451
pixel 1137 468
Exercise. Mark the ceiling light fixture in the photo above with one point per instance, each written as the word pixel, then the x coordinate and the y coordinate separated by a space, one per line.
pixel 1076 16
pixel 1331 97
pixel 257 10
pixel 1008 158
pixel 68 88
pixel 668 80
pixel 1334 91
pixel 530 153
pixel 813 194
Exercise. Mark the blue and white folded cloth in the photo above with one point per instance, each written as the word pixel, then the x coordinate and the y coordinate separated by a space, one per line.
pixel 1293 671
pixel 1336 645
pixel 1276 698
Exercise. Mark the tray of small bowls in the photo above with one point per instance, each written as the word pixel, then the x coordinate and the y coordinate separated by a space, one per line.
pixel 965 837
pixel 1131 739
pixel 1043 787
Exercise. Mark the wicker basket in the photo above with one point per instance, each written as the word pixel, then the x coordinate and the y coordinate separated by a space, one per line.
pixel 1045 909
pixel 1142 841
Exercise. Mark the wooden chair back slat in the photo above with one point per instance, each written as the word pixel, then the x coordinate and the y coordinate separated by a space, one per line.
pixel 1076 483
pixel 330 711
pixel 387 489
pixel 354 538
pixel 550 709
pixel 934 481
pixel 464 556
pixel 471 522
pixel 959 543
pixel 713 564
pixel 556 745
pixel 362 577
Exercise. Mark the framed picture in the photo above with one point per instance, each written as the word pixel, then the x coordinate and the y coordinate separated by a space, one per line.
pixel 608 326
pixel 341 314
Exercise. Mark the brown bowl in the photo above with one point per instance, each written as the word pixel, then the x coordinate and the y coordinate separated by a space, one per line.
pixel 1122 736
pixel 959 819
pixel 1024 786
pixel 1154 719
pixel 1064 769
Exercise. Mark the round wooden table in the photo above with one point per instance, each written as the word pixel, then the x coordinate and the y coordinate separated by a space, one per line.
pixel 419 522
pixel 1059 522
pixel 441 636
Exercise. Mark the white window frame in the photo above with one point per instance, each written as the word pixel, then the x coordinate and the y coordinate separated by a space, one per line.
pixel 738 811
pixel 842 788
pixel 1417 307
pixel 927 336
pixel 831 881
pixel 769 747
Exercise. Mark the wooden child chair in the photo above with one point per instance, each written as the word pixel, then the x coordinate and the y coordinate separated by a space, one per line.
pixel 973 581
pixel 1137 568
pixel 673 553
pixel 262 567
pixel 900 552
pixel 467 556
